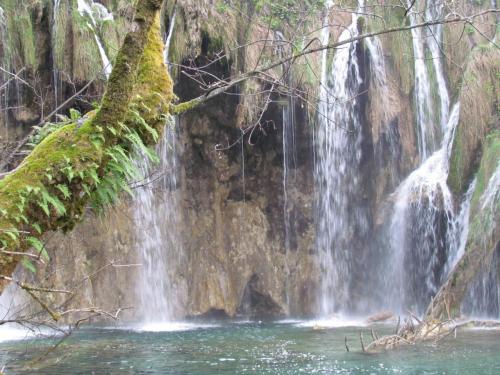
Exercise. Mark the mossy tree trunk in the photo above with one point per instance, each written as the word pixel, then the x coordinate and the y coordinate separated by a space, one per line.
pixel 81 161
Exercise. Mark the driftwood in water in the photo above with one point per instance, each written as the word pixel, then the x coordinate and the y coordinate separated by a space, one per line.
pixel 380 317
pixel 425 331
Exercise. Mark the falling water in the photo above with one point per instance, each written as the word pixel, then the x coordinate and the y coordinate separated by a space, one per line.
pixel 429 39
pixel 157 221
pixel 168 38
pixel 4 94
pixel 460 229
pixel 425 233
pixel 434 11
pixel 377 66
pixel 103 15
pixel 483 299
pixel 288 180
pixel 421 230
pixel 424 113
pixel 289 160
pixel 338 142
pixel 55 73
pixel 388 148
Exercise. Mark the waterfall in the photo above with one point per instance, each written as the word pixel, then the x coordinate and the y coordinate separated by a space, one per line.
pixel 388 147
pixel 425 233
pixel 289 163
pixel 429 39
pixel 483 297
pixel 102 14
pixel 434 11
pixel 55 73
pixel 338 155
pixel 4 94
pixel 421 230
pixel 461 229
pixel 156 215
pixel 377 65
pixel 168 39
pixel 423 100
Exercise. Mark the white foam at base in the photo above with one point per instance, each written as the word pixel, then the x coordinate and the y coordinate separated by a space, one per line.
pixel 289 321
pixel 334 322
pixel 170 327
pixel 14 332
pixel 10 333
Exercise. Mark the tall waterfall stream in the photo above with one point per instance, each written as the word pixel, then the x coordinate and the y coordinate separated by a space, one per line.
pixel 157 221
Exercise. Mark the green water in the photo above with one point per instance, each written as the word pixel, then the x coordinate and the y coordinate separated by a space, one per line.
pixel 250 348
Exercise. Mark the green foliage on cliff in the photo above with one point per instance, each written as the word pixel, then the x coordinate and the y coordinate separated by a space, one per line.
pixel 482 240
pixel 487 166
pixel 277 13
pixel 479 98
pixel 19 44
pixel 399 45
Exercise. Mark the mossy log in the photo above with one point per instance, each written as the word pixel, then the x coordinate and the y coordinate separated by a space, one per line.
pixel 53 185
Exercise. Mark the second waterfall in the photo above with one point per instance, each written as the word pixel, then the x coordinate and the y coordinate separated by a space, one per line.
pixel 338 156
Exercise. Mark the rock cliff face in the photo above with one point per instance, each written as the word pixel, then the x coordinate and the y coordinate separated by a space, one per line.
pixel 245 251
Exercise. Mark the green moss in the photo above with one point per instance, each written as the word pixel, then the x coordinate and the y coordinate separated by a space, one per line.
pixel 434 92
pixel 60 36
pixel 478 100
pixel 215 45
pixel 20 35
pixel 184 107
pixel 87 61
pixel 456 178
pixel 488 165
pixel 400 44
